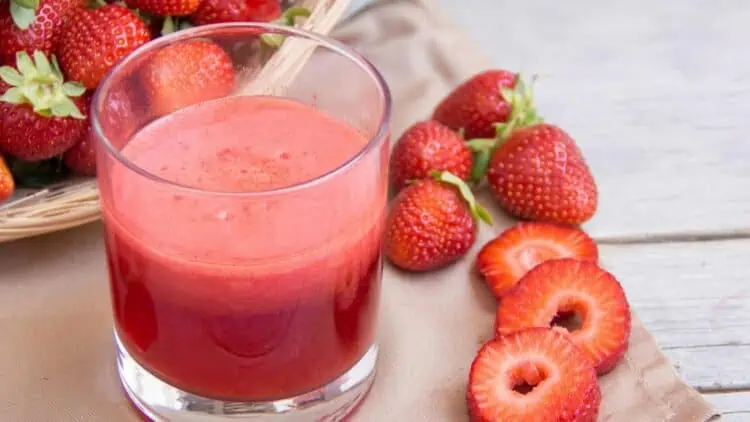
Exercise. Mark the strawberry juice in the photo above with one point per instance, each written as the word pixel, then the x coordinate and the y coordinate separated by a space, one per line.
pixel 245 254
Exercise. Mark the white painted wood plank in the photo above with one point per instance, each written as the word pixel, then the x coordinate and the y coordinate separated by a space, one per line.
pixel 713 369
pixel 687 294
pixel 695 299
pixel 735 407
pixel 656 93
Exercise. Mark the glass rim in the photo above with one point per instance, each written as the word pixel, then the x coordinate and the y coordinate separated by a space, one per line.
pixel 331 44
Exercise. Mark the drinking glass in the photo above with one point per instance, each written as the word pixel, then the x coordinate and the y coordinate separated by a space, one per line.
pixel 256 304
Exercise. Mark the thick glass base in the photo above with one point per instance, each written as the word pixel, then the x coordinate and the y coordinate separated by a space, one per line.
pixel 160 401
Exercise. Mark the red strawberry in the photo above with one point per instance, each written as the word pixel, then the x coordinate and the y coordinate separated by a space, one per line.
pixel 187 73
pixel 165 7
pixel 81 157
pixel 432 223
pixel 508 257
pixel 34 30
pixel 534 375
pixel 425 147
pixel 581 299
pixel 7 185
pixel 218 11
pixel 95 40
pixel 477 104
pixel 43 115
pixel 538 173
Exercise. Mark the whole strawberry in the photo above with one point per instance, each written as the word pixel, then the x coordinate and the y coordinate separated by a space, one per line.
pixel 539 173
pixel 536 170
pixel 95 40
pixel 32 30
pixel 425 147
pixel 218 11
pixel 43 116
pixel 165 7
pixel 81 157
pixel 477 104
pixel 187 73
pixel 431 223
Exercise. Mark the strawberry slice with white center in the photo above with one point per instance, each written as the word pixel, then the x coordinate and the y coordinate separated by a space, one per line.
pixel 534 375
pixel 508 257
pixel 577 298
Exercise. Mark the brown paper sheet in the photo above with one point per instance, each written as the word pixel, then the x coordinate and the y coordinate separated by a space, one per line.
pixel 56 350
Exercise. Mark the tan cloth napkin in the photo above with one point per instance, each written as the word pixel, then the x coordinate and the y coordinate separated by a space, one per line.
pixel 56 350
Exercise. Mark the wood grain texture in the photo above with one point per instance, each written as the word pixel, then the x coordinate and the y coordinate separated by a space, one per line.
pixel 695 299
pixel 656 93
pixel 735 407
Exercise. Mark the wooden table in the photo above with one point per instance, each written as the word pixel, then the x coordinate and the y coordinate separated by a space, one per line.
pixel 658 96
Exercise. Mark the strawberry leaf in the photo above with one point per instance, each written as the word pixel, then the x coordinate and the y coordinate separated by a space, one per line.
pixel 288 18
pixel 481 163
pixel 168 26
pixel 477 210
pixel 184 24
pixel 73 89
pixel 10 76
pixel 40 83
pixel 13 96
pixel 66 108
pixel 28 4
pixel 482 150
pixel 42 64
pixel 22 16
pixel 523 111
pixel 290 15
pixel 56 67
pixel 480 144
pixel 25 65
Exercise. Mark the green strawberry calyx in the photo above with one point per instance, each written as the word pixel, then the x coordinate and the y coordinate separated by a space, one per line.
pixel 169 25
pixel 476 209
pixel 288 18
pixel 482 150
pixel 23 12
pixel 522 108
pixel 40 84
pixel 522 113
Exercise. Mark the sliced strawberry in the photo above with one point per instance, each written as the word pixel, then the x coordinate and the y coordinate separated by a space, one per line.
pixel 534 375
pixel 504 260
pixel 580 299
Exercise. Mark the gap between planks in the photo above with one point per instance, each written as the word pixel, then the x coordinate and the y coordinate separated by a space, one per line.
pixel 681 237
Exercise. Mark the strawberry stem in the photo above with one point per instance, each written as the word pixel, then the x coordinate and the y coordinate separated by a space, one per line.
pixel 482 150
pixel 476 209
pixel 40 84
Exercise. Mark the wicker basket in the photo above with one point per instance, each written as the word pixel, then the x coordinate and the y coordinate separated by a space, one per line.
pixel 76 201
